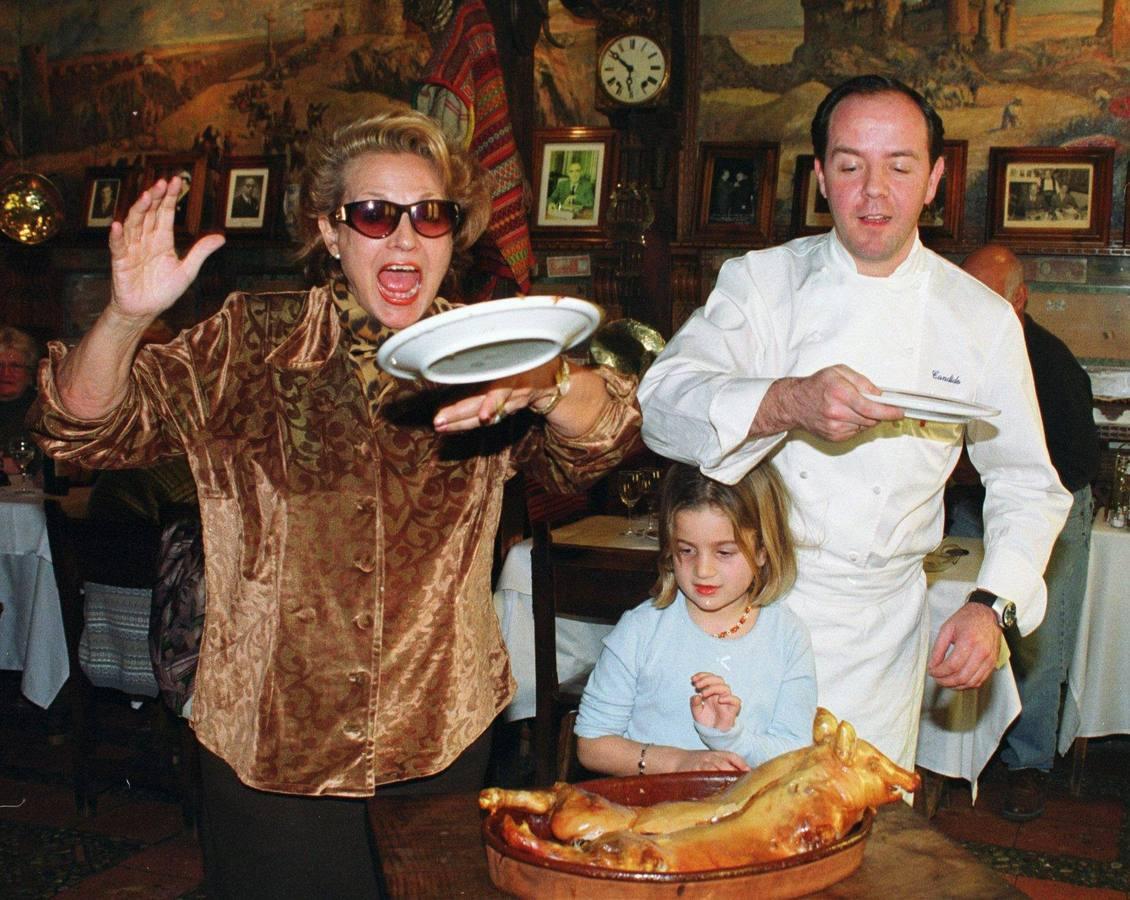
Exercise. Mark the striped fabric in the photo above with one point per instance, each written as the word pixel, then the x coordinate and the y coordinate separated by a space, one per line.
pixel 463 89
pixel 114 648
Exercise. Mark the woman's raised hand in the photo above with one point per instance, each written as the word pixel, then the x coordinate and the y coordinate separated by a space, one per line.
pixel 148 276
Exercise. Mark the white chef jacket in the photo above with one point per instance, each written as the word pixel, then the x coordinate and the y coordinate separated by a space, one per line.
pixel 866 511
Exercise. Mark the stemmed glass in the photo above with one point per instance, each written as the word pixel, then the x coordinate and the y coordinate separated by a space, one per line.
pixel 651 479
pixel 22 451
pixel 629 488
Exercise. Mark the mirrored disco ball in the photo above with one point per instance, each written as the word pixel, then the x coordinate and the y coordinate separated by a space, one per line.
pixel 31 208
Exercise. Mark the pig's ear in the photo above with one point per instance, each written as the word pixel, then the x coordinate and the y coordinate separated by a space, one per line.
pixel 845 742
pixel 823 726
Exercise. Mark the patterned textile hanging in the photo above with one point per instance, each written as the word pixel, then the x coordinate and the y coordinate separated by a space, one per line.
pixel 462 88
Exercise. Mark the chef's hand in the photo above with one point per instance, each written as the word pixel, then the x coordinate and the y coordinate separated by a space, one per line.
pixel 829 404
pixel 974 636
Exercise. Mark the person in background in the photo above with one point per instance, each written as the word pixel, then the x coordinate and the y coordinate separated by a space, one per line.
pixel 1040 659
pixel 786 359
pixel 19 355
pixel 351 644
pixel 711 673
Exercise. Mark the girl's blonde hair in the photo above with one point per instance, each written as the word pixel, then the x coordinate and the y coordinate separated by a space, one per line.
pixel 323 181
pixel 757 507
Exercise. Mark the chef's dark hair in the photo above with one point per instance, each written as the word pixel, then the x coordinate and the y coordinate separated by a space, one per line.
pixel 875 84
pixel 757 507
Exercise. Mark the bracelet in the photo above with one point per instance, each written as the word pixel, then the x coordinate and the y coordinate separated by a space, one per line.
pixel 641 768
pixel 561 388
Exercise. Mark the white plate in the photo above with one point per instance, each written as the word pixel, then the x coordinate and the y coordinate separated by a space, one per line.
pixel 488 340
pixel 931 408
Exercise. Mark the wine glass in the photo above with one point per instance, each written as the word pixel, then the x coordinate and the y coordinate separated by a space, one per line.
pixel 629 488
pixel 22 451
pixel 651 480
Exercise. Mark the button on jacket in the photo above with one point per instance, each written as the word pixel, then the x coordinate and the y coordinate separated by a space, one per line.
pixel 350 638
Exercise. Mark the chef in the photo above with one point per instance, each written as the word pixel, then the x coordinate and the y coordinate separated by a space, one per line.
pixel 781 361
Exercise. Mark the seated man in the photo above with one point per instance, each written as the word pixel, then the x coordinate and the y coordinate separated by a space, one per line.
pixel 1040 659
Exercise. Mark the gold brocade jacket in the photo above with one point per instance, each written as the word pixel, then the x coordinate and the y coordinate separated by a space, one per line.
pixel 350 638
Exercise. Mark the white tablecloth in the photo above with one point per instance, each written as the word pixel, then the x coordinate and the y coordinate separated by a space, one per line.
pixel 960 730
pixel 578 642
pixel 1098 699
pixel 31 627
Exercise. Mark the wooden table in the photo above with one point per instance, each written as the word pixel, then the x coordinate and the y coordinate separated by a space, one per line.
pixel 432 847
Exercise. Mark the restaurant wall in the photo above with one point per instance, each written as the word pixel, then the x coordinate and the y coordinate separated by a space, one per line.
pixel 120 82
pixel 763 83
pixel 764 68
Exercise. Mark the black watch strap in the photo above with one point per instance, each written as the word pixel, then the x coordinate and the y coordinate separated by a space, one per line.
pixel 1005 610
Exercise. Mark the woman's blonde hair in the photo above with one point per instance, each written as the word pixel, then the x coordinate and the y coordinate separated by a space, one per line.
pixel 757 507
pixel 323 181
pixel 12 338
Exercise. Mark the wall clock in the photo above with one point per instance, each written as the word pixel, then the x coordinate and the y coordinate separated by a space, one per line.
pixel 632 69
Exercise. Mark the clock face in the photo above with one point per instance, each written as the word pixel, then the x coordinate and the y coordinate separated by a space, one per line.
pixel 632 69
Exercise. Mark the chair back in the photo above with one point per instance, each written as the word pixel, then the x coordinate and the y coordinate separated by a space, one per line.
pixel 122 554
pixel 112 558
pixel 594 583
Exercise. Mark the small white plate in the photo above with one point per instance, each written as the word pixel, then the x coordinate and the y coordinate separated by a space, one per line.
pixel 488 340
pixel 930 408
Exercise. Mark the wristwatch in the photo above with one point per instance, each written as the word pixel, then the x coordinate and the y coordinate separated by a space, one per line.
pixel 1005 609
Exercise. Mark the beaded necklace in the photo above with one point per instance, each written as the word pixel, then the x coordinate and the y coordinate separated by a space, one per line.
pixel 737 626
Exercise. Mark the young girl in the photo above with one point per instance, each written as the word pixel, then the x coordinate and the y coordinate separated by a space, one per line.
pixel 707 675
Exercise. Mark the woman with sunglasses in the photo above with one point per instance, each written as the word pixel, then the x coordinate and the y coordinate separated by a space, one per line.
pixel 351 643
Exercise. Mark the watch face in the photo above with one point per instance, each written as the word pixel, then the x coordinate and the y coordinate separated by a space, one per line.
pixel 1008 614
pixel 632 69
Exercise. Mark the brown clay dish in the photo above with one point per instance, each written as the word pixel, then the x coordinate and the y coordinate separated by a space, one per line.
pixel 524 874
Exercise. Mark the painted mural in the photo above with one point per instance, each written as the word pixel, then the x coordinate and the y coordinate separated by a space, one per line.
pixel 117 81
pixel 1010 73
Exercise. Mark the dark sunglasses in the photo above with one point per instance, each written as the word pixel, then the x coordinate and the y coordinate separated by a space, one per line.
pixel 380 218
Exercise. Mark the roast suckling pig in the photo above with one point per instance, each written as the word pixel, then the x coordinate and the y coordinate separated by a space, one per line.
pixel 797 802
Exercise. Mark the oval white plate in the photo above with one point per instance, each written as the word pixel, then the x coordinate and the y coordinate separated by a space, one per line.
pixel 488 340
pixel 931 408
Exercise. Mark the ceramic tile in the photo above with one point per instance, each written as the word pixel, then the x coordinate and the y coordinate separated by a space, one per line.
pixel 122 882
pixel 1039 889
pixel 179 857
pixel 1061 838
pixel 976 824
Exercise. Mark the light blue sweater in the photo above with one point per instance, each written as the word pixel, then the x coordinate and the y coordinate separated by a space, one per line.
pixel 641 686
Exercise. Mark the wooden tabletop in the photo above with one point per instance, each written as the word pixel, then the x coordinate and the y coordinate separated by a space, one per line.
pixel 432 847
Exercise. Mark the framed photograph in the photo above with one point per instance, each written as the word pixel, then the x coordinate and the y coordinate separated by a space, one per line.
pixel 811 214
pixel 940 222
pixel 250 194
pixel 104 196
pixel 1126 211
pixel 191 168
pixel 736 187
pixel 572 172
pixel 1050 195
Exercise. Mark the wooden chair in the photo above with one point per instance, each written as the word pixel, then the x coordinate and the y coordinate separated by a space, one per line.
pixel 123 555
pixel 593 583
